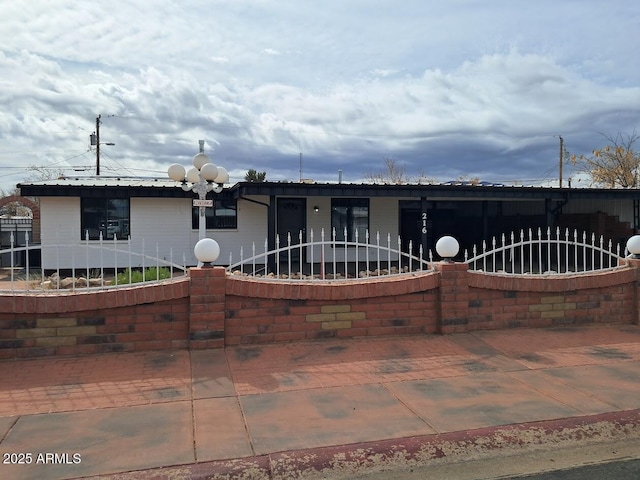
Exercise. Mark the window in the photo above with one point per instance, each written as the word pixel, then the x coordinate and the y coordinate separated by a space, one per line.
pixel 223 214
pixel 352 214
pixel 107 216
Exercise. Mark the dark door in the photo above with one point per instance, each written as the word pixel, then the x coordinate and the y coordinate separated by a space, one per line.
pixel 292 219
pixel 411 229
pixel 416 226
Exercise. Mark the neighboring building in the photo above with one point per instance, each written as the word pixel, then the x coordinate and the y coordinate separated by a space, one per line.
pixel 14 231
pixel 158 212
pixel 18 227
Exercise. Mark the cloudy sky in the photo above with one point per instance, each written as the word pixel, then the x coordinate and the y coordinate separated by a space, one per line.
pixel 475 88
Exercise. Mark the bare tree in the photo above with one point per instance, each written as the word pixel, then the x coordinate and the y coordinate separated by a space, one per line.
pixel 614 166
pixel 424 178
pixel 46 173
pixel 393 173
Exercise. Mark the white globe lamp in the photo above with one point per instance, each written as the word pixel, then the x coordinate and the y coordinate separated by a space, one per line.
pixel 177 172
pixel 633 245
pixel 447 247
pixel 209 172
pixel 200 159
pixel 207 251
pixel 193 175
pixel 222 177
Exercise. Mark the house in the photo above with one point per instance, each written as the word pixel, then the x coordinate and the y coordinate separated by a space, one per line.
pixel 158 215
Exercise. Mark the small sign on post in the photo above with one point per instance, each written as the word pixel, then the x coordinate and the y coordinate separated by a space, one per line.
pixel 202 203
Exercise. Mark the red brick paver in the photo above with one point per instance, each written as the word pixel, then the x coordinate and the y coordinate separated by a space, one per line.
pixel 248 405
pixel 63 384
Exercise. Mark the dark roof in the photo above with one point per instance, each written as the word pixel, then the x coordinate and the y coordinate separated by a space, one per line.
pixel 125 187
pixel 450 190
pixel 105 187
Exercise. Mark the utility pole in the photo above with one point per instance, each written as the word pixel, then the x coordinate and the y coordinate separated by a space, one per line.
pixel 98 145
pixel 95 140
pixel 560 163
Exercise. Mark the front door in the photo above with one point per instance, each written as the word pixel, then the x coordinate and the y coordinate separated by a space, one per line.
pixel 414 227
pixel 291 220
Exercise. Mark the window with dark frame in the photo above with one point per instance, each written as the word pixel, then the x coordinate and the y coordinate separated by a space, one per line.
pixel 106 216
pixel 351 214
pixel 223 215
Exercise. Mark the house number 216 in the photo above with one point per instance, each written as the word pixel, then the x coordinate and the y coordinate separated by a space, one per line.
pixel 424 222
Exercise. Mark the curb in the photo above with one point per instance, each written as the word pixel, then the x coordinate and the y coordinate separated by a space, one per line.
pixel 405 453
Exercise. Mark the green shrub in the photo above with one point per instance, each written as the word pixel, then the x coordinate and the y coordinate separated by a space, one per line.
pixel 150 274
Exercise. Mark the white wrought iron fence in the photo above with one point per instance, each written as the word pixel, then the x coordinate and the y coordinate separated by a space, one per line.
pixel 331 258
pixel 544 253
pixel 89 265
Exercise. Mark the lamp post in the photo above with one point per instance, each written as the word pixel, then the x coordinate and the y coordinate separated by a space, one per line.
pixel 202 178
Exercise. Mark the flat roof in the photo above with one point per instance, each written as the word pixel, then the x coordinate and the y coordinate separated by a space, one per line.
pixel 124 187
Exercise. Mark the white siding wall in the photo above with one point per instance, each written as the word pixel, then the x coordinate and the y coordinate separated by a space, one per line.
pixel 252 227
pixel 160 225
pixel 59 225
pixel 168 222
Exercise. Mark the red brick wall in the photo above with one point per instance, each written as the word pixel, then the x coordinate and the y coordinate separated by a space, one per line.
pixel 206 305
pixel 266 311
pixel 128 319
pixel 211 309
pixel 499 301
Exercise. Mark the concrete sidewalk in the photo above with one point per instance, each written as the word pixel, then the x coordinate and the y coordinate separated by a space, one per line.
pixel 295 410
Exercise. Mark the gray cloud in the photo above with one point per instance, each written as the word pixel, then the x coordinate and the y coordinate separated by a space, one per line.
pixel 447 88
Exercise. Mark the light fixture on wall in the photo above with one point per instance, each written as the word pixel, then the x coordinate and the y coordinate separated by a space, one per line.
pixel 316 209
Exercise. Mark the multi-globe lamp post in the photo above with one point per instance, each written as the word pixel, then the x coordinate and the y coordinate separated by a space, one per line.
pixel 201 179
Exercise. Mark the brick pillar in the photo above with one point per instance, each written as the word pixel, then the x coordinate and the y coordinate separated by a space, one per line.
pixel 454 297
pixel 207 307
pixel 635 263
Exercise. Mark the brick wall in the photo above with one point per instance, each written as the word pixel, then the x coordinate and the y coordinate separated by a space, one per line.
pixel 211 309
pixel 128 319
pixel 263 311
pixel 502 302
pixel 207 308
